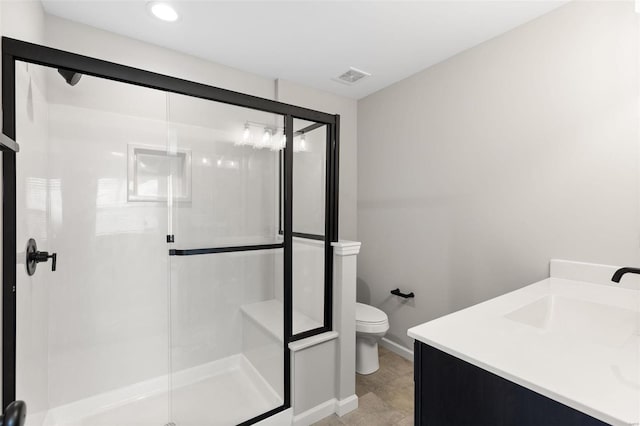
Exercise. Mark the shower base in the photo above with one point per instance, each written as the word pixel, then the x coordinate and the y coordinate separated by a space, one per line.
pixel 224 392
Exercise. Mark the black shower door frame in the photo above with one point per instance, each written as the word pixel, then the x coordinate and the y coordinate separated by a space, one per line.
pixel 15 50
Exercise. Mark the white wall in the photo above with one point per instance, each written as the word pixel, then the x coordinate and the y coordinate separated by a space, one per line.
pixel 23 19
pixel 472 174
pixel 78 38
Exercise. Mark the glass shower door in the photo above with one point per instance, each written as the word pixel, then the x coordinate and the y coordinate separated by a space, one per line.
pixel 92 336
pixel 32 212
pixel 226 298
pixel 172 298
pixel 167 302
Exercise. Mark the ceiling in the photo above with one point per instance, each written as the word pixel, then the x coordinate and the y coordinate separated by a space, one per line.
pixel 312 42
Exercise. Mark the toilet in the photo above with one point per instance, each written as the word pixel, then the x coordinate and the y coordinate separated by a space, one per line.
pixel 371 325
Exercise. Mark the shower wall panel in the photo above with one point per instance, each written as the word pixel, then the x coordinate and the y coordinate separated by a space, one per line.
pixel 108 317
pixel 207 295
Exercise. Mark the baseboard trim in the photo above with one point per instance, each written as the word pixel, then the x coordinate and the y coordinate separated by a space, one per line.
pixel 315 414
pixel 327 408
pixel 397 348
pixel 346 405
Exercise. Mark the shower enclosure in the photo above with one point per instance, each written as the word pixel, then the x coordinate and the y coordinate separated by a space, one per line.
pixel 163 243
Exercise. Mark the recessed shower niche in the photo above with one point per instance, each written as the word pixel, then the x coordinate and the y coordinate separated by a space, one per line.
pixel 157 174
pixel 181 278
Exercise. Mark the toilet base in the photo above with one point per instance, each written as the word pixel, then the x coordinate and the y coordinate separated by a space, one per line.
pixel 366 355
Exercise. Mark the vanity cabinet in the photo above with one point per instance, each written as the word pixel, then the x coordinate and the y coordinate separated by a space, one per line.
pixel 450 391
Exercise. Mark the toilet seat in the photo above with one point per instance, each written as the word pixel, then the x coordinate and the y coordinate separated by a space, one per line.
pixel 370 319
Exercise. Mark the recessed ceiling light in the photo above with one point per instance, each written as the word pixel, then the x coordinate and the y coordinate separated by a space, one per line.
pixel 163 11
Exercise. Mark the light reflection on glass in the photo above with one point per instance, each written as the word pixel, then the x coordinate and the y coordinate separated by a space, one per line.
pixel 36 197
pixel 36 206
pixel 222 163
pixel 55 202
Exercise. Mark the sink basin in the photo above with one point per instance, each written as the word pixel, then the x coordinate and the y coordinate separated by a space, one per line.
pixel 579 319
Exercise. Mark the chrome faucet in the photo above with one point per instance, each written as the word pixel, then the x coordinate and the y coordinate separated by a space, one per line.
pixel 617 276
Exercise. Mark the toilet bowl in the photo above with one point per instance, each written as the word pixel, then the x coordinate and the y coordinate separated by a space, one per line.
pixel 371 325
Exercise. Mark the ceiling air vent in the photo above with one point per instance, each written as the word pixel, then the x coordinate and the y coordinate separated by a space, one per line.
pixel 352 76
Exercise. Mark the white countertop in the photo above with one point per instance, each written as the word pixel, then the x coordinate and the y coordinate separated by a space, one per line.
pixel 593 367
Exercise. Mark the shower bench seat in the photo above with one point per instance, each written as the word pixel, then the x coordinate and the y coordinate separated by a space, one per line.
pixel 269 316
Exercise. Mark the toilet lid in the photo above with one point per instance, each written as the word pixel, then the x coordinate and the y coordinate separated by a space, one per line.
pixel 369 314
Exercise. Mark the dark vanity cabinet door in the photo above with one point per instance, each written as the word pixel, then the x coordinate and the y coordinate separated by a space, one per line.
pixel 449 391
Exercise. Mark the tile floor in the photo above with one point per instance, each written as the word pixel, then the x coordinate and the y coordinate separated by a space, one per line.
pixel 385 398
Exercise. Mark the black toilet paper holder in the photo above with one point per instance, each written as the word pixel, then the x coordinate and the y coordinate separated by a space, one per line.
pixel 397 292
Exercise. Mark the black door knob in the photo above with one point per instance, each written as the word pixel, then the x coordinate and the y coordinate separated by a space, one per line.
pixel 14 415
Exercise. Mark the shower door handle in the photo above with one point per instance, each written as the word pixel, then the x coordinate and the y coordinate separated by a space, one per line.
pixel 34 257
pixel 43 256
